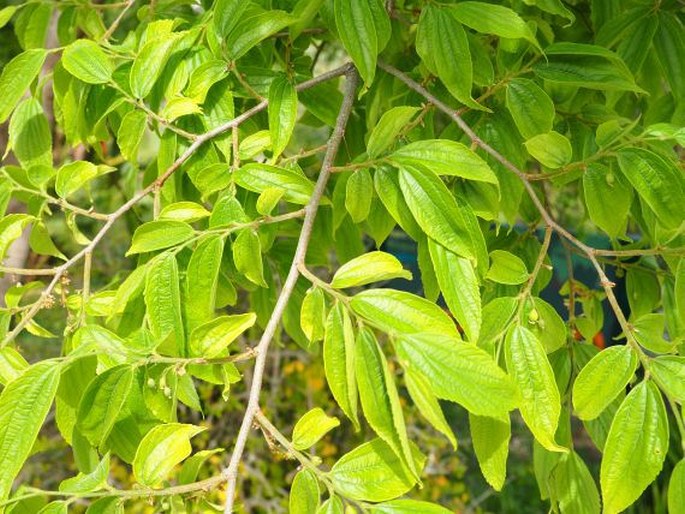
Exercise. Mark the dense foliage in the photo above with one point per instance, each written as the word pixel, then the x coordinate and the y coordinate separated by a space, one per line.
pixel 211 184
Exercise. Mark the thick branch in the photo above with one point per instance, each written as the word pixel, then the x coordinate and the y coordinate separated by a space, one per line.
pixel 231 472
pixel 113 217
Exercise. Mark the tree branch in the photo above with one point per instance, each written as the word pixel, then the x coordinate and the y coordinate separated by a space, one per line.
pixel 113 217
pixel 231 472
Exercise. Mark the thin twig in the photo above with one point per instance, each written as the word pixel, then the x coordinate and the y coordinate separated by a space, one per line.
pixel 117 21
pixel 113 217
pixel 231 472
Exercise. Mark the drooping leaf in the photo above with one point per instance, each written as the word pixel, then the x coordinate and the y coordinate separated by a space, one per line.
pixel 247 256
pixel 338 359
pixel 442 44
pixel 459 285
pixel 372 472
pixel 86 61
pixel 282 113
pixel 202 278
pixel 602 379
pixel 355 23
pixel 368 268
pixel 11 228
pixel 400 312
pixel 88 482
pixel 531 108
pixel 669 373
pixel 445 157
pixel 540 400
pixel 313 314
pixel 428 404
pixel 17 76
pixel 379 398
pixel 149 63
pixel 657 182
pixel 599 185
pixel 305 495
pixel 506 268
pixel 102 402
pixel 252 27
pixel 676 488
pixel 24 403
pixel 459 372
pixel 162 448
pixel 29 135
pixel 574 486
pixel 73 176
pixel 490 437
pixel 635 448
pixel 359 195
pixel 259 177
pixel 388 128
pixel 311 427
pixel 436 210
pixel 157 235
pixel 408 507
pixel 163 302
pixel 552 149
pixel 131 133
pixel 211 338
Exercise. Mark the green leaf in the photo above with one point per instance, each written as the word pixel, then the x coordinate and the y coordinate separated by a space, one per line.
pixel 408 507
pixel 131 133
pixel 313 314
pixel 6 14
pixel 88 482
pixel 540 400
pixel 268 200
pixel 442 44
pixel 543 320
pixel 311 427
pixel 202 279
pixel 253 27
pixel 12 365
pixel 552 149
pixel 163 302
pixel 183 211
pixel 102 402
pixel 459 285
pixel 676 488
pixel 427 403
pixel 602 379
pixel 305 495
pixel 506 268
pixel 386 183
pixel 338 360
pixel 203 78
pixel 583 65
pixel 157 235
pixel 554 7
pixel 436 211
pixel 30 137
pixel 73 176
pixel 658 183
pixel 11 228
pixel 490 438
pixel 372 472
pixel 444 157
pixel 459 372
pixel 282 113
pixel 210 339
pixel 669 373
pixel 399 312
pixel 574 486
pixel 388 128
pixel 493 19
pixel 368 268
pixel 599 185
pixel 379 398
pixel 86 61
pixel 161 450
pixel 669 44
pixel 258 177
pixel 254 144
pixel 357 30
pixel 149 63
pixel 247 256
pixel 333 505
pixel 24 403
pixel 227 13
pixel 192 465
pixel 179 106
pixel 359 194
pixel 17 76
pixel 531 108
pixel 635 449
